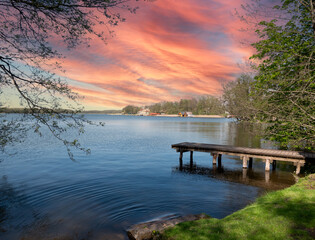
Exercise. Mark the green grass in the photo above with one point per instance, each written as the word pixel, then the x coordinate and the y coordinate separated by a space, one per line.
pixel 284 214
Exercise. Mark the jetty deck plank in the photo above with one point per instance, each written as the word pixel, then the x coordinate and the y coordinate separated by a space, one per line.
pixel 203 147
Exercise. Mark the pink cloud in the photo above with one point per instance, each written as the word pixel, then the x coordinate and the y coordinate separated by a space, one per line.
pixel 167 51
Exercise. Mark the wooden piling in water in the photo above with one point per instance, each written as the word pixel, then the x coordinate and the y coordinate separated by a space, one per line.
pixel 298 168
pixel 250 163
pixel 191 159
pixel 245 159
pixel 214 158
pixel 274 165
pixel 267 167
pixel 181 160
pixel 219 160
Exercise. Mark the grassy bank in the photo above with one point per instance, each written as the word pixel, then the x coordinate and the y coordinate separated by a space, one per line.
pixel 284 214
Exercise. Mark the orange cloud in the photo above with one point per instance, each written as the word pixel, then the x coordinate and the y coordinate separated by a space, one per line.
pixel 167 51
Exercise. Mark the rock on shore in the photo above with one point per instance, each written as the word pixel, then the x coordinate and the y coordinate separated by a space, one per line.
pixel 146 231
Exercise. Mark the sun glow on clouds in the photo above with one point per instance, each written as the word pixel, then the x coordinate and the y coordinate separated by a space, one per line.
pixel 167 51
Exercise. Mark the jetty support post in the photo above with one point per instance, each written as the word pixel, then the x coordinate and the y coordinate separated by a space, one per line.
pixel 219 160
pixel 181 160
pixel 245 159
pixel 191 159
pixel 250 163
pixel 274 165
pixel 267 167
pixel 298 168
pixel 214 159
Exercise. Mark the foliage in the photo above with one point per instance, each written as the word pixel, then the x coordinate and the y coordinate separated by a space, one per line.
pixel 204 105
pixel 30 33
pixel 286 74
pixel 284 214
pixel 283 88
pixel 238 98
pixel 130 109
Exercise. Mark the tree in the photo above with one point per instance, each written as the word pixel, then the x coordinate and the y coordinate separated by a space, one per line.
pixel 208 105
pixel 238 98
pixel 286 71
pixel 199 106
pixel 30 31
pixel 130 109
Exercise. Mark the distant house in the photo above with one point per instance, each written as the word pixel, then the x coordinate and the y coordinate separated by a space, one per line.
pixel 189 114
pixel 182 114
pixel 185 114
pixel 144 112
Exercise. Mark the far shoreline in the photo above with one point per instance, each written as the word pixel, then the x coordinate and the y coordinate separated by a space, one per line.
pixel 169 115
pixel 193 116
pixel 108 112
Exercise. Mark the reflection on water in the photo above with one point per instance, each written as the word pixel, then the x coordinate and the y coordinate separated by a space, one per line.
pixel 129 178
pixel 266 180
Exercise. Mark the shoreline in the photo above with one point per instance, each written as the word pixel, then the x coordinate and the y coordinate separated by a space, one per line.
pixel 169 115
pixel 284 214
pixel 121 114
pixel 194 116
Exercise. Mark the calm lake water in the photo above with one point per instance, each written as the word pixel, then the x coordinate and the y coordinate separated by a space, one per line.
pixel 131 176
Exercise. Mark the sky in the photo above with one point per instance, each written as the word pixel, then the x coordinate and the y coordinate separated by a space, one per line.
pixel 169 50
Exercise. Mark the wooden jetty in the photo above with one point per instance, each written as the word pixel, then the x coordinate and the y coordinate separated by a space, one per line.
pixel 270 156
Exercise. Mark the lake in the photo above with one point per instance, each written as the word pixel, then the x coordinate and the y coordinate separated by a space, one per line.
pixel 131 176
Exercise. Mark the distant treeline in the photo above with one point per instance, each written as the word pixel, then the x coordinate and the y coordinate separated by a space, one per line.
pixel 237 99
pixel 130 109
pixel 205 105
pixel 26 110
pixel 101 112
